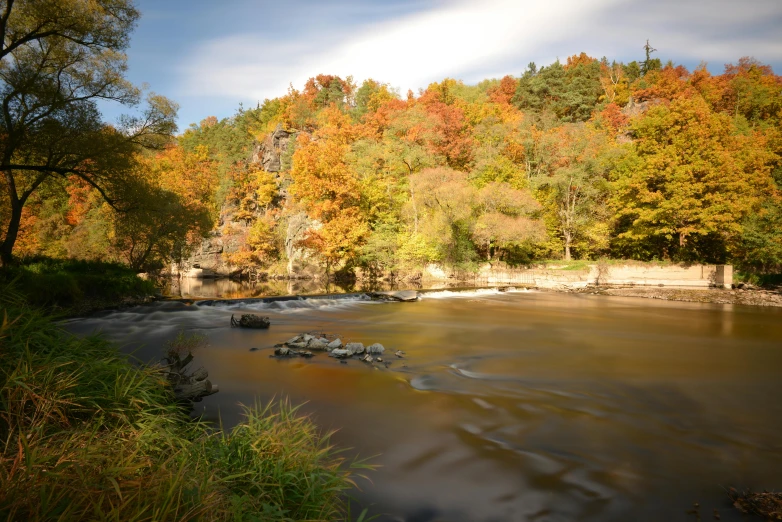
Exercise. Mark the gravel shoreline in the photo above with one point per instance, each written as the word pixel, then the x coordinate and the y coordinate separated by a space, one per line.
pixel 751 297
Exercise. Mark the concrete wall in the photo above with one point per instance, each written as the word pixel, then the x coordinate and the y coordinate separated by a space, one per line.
pixel 696 276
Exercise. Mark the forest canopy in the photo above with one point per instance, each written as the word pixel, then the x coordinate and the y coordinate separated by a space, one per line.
pixel 580 159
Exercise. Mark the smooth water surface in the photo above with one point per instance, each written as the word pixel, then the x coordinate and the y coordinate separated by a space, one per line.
pixel 514 406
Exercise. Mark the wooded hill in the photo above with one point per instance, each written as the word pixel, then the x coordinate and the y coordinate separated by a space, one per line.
pixel 582 159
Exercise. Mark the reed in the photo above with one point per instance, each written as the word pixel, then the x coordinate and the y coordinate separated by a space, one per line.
pixel 87 434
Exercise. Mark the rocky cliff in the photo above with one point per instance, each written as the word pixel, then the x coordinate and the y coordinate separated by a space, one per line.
pixel 219 255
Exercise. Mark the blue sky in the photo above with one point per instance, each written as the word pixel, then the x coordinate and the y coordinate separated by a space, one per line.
pixel 211 56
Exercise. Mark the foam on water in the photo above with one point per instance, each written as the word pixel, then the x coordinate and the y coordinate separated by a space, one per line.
pixel 292 305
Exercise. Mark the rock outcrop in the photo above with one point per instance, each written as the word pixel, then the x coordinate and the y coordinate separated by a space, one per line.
pixel 268 153
pixel 229 236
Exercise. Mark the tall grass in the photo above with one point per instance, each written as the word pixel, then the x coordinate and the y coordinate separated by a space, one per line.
pixel 87 435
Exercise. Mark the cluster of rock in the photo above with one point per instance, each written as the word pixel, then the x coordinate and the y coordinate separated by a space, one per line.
pixel 303 346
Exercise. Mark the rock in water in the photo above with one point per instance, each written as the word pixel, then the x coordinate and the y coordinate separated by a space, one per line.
pixel 250 321
pixel 341 353
pixel 333 345
pixel 375 349
pixel 324 340
pixel 315 344
pixel 282 350
pixel 368 358
pixel 402 295
pixel 400 354
pixel 354 348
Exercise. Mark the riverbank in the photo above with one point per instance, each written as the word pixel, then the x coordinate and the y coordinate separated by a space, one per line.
pixel 750 297
pixel 72 288
pixel 86 432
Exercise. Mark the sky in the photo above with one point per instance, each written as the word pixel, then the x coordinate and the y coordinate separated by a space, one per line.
pixel 210 57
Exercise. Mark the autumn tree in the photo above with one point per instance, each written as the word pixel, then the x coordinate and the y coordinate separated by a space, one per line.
pixel 58 59
pixel 573 188
pixel 445 202
pixel 327 188
pixel 688 181
pixel 506 216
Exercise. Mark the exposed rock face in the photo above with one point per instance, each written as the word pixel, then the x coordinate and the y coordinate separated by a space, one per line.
pixel 209 257
pixel 298 224
pixel 635 108
pixel 631 110
pixel 268 153
pixel 230 234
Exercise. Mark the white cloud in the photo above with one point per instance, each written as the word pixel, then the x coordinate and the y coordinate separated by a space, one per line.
pixel 468 39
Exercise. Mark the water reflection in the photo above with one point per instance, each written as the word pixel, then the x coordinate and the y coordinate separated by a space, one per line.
pixel 516 406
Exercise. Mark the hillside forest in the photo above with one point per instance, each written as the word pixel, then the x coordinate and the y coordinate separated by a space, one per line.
pixel 581 159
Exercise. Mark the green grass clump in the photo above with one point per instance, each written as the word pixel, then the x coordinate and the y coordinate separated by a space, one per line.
pixel 63 283
pixel 87 435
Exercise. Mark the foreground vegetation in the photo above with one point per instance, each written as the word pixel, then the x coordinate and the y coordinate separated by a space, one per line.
pixel 87 435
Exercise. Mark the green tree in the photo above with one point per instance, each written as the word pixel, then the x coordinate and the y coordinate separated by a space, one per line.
pixel 58 59
pixel 157 228
pixel 571 91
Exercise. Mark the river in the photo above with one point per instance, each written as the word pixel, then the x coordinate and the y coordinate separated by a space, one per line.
pixel 512 406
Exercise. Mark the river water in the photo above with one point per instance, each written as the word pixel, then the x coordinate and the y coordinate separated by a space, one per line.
pixel 512 406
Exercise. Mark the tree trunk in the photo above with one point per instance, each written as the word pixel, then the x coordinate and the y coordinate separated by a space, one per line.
pixel 7 247
pixel 415 211
pixel 568 239
pixel 412 197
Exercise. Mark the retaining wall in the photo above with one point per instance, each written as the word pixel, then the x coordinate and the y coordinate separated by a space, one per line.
pixel 696 276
